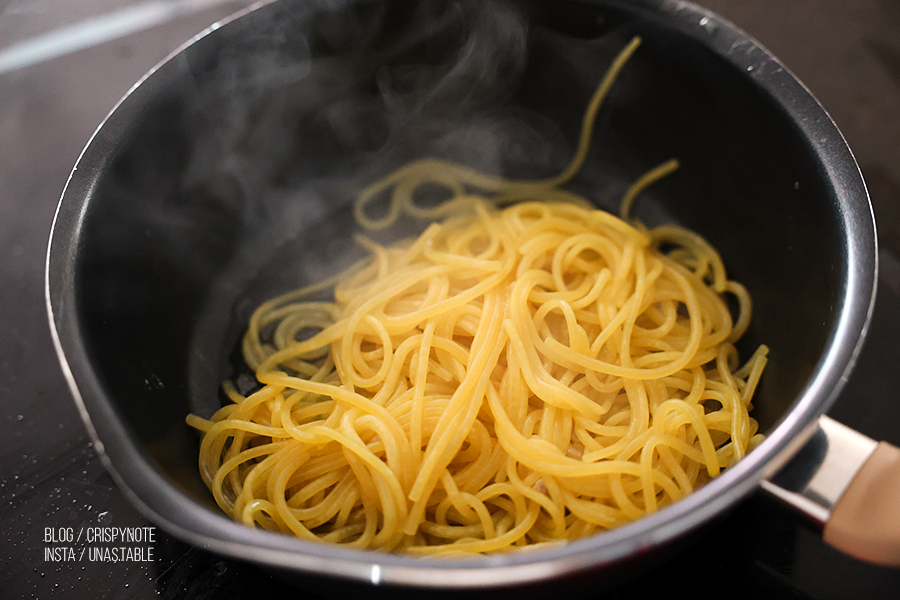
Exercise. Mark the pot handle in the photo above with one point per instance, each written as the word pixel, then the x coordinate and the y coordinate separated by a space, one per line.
pixel 849 485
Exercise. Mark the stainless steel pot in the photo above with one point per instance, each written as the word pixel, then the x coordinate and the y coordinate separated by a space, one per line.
pixel 226 174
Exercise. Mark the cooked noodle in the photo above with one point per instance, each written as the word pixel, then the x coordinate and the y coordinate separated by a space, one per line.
pixel 527 371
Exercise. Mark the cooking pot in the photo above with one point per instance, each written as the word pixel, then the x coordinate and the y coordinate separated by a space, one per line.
pixel 227 174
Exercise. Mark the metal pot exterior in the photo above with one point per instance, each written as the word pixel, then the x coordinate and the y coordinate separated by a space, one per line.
pixel 241 151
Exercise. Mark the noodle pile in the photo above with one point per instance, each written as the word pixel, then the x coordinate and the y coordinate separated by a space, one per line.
pixel 527 371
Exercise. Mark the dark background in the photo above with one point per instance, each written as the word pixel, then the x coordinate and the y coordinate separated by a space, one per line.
pixel 846 51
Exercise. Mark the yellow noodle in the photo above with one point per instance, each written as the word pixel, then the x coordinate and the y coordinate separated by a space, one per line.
pixel 527 371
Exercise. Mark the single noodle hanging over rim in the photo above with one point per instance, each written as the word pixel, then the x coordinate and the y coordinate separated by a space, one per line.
pixel 527 371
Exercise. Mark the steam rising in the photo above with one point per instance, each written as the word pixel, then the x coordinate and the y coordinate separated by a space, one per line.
pixel 279 129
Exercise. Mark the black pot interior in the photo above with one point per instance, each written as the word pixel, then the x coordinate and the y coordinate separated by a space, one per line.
pixel 229 175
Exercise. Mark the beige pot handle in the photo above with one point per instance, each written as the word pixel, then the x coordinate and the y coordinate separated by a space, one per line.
pixel 865 522
pixel 849 485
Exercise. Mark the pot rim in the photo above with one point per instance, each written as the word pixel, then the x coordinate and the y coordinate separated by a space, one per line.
pixel 164 504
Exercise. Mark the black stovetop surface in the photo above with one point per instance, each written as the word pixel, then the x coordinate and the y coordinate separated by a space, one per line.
pixel 847 52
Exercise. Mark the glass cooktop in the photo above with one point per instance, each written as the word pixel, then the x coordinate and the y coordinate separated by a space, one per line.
pixel 63 65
